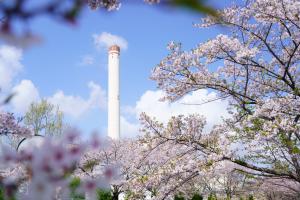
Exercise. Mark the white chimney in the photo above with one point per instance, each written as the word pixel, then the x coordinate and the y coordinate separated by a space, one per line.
pixel 113 92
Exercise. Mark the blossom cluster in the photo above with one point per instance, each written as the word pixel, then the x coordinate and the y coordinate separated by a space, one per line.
pixel 111 4
pixel 46 170
pixel 107 4
pixel 9 125
pixel 256 68
pixel 174 156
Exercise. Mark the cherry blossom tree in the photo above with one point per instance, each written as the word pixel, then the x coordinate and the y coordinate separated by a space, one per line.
pixel 256 68
pixel 126 157
pixel 273 189
pixel 180 158
pixel 9 125
pixel 168 165
pixel 44 171
pixel 95 164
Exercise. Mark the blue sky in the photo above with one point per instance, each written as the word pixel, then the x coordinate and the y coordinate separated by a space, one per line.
pixel 56 64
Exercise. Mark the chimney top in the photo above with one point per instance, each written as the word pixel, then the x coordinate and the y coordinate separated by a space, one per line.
pixel 114 48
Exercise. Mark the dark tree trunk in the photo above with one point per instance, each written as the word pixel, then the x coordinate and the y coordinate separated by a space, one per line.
pixel 115 194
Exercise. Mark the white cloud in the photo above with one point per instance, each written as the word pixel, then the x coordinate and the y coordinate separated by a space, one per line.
pixel 87 60
pixel 76 106
pixel 10 65
pixel 105 40
pixel 128 110
pixel 128 129
pixel 97 95
pixel 73 106
pixel 25 94
pixel 213 111
pixel 162 111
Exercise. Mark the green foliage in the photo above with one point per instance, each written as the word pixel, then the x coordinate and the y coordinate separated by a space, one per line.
pixel 90 164
pixel 128 194
pixel 251 197
pixel 197 197
pixel 74 184
pixel 2 195
pixel 291 144
pixel 212 196
pixel 241 162
pixel 295 150
pixel 44 118
pixel 281 166
pixel 209 163
pixel 143 179
pixel 104 194
pixel 195 5
pixel 178 197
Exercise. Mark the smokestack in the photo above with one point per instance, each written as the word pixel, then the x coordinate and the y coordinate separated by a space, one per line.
pixel 113 92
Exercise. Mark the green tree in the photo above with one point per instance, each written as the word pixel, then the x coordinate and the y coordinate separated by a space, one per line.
pixel 212 196
pixel 178 197
pixel 197 197
pixel 44 118
pixel 74 185
pixel 104 194
pixel 251 197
